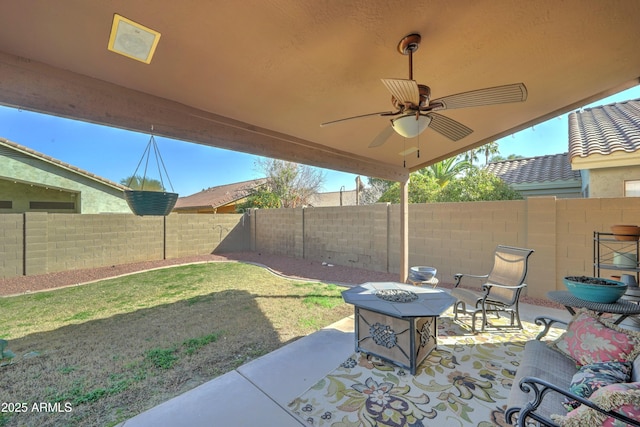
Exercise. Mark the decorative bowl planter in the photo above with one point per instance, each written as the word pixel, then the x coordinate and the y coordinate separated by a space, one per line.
pixel 626 232
pixel 599 290
pixel 150 202
pixel 422 274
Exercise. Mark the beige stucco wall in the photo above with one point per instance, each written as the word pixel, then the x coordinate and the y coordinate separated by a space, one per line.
pixel 609 182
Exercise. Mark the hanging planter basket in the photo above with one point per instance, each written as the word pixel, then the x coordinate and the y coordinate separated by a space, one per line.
pixel 144 202
pixel 151 202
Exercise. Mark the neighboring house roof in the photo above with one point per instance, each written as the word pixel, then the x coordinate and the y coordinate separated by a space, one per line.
pixel 605 136
pixel 9 148
pixel 539 176
pixel 552 167
pixel 221 195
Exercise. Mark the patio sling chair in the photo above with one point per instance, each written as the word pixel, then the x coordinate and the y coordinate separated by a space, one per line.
pixel 500 292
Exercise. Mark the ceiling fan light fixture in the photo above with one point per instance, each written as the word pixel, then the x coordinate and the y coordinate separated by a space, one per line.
pixel 410 126
pixel 132 40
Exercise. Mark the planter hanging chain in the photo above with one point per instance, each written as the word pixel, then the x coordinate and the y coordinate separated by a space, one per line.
pixel 148 202
pixel 159 161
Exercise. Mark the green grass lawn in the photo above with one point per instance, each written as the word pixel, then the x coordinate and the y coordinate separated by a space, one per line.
pixel 114 348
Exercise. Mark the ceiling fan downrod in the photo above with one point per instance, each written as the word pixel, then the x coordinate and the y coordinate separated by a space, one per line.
pixel 407 46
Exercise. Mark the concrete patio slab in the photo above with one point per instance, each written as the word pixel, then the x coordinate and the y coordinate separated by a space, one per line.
pixel 257 393
pixel 289 371
pixel 229 400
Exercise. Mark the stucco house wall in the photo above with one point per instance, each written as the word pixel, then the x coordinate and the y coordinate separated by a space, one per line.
pixel 28 176
pixel 17 197
pixel 609 182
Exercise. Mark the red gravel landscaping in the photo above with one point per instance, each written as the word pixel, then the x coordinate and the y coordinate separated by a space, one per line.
pixel 287 266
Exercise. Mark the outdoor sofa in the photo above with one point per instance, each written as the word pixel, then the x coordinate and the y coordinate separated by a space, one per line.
pixel 593 358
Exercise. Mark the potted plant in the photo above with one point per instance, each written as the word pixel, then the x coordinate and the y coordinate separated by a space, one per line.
pixel 150 202
pixel 595 289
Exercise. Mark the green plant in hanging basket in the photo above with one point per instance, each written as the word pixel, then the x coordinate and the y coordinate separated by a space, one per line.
pixel 151 201
pixel 137 182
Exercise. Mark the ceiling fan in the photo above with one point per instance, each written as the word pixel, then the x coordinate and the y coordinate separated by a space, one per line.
pixel 417 111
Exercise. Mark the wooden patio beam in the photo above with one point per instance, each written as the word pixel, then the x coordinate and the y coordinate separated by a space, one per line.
pixel 35 86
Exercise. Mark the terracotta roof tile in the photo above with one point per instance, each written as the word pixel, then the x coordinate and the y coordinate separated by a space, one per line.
pixel 552 167
pixel 605 129
pixel 218 196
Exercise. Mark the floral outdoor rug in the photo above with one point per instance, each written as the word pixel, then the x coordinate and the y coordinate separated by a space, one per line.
pixel 464 382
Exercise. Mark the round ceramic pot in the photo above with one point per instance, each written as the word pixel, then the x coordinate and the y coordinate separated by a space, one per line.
pixel 626 232
pixel 422 274
pixel 609 292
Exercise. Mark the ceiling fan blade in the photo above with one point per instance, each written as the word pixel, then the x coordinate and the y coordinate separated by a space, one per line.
pixel 382 137
pixel 452 129
pixel 489 96
pixel 403 90
pixel 383 113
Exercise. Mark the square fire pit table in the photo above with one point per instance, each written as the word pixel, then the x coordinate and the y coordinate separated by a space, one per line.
pixel 397 322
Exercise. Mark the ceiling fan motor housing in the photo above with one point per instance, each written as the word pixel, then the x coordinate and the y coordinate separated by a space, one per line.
pixel 425 95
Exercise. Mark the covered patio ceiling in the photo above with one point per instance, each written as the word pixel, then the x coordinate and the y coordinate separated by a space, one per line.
pixel 259 76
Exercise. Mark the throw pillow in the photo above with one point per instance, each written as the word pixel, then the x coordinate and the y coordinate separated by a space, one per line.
pixel 623 398
pixel 594 376
pixel 589 340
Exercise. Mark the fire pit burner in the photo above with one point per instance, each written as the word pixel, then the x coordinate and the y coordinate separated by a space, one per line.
pixel 396 295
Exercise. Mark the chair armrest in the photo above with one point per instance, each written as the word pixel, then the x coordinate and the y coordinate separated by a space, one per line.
pixel 540 388
pixel 488 286
pixel 458 277
pixel 547 322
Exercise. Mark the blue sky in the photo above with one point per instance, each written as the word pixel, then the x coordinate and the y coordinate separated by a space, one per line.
pixel 114 153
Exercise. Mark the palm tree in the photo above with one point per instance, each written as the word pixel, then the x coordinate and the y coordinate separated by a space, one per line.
pixel 446 170
pixel 489 149
pixel 471 156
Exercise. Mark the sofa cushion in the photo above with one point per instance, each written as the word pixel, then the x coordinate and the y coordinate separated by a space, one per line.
pixel 591 377
pixel 621 397
pixel 589 340
pixel 541 361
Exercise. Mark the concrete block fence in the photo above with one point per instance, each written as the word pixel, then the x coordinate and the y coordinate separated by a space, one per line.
pixel 453 237
pixel 38 243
